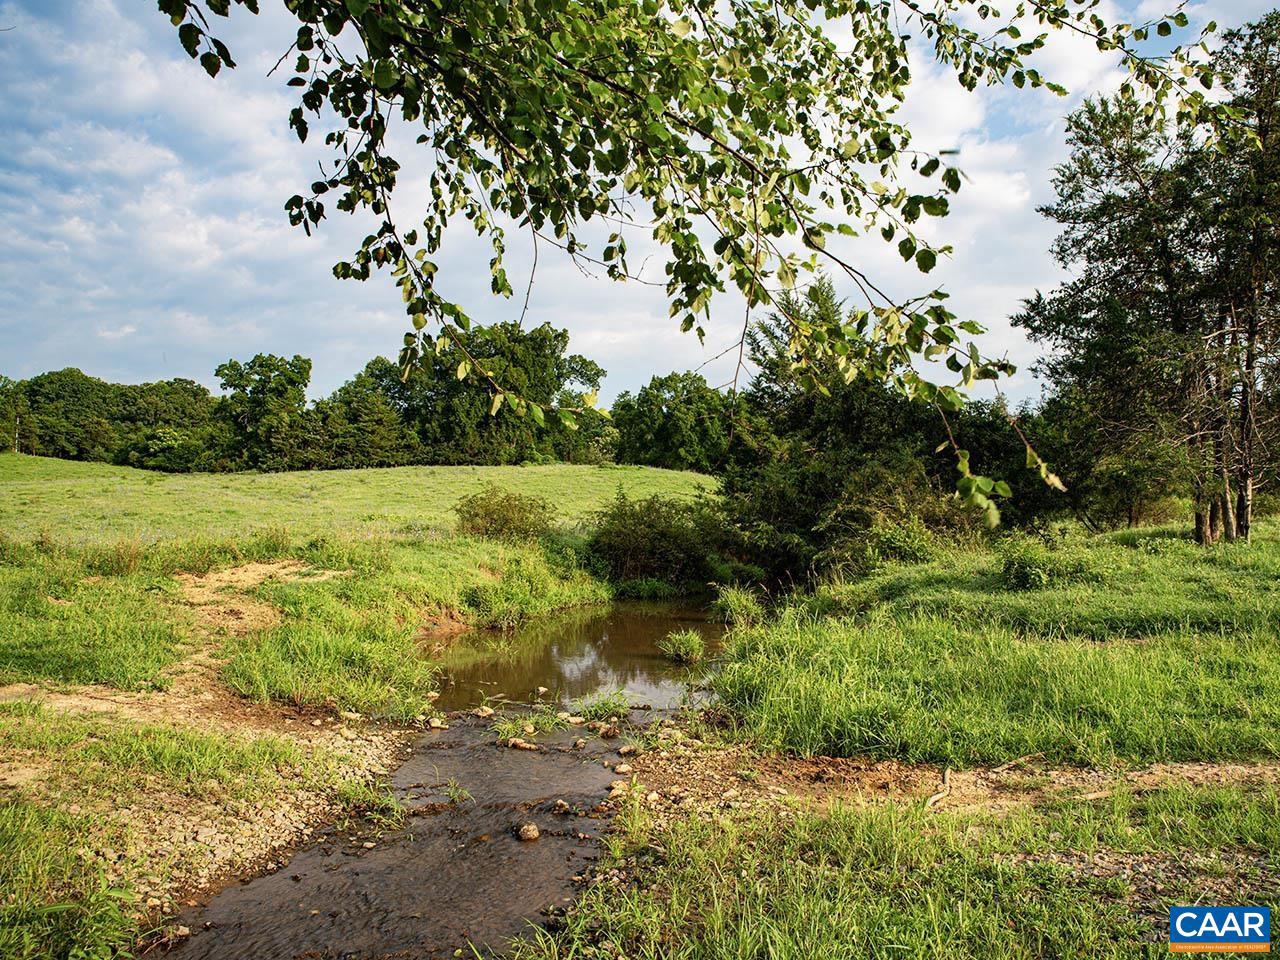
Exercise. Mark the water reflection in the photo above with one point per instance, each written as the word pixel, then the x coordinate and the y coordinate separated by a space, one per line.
pixel 582 653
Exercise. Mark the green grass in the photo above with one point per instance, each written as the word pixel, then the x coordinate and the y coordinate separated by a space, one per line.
pixel 683 646
pixel 602 706
pixel 1137 586
pixel 113 758
pixel 96 502
pixel 898 881
pixel 1160 653
pixel 55 898
pixel 931 690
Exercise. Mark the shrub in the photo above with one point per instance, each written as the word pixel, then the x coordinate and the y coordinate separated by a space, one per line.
pixel 645 588
pixel 668 540
pixel 1029 564
pixel 505 515
pixel 739 606
pixel 683 646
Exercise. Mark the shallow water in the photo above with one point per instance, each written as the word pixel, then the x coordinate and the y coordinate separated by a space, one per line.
pixel 586 652
pixel 456 874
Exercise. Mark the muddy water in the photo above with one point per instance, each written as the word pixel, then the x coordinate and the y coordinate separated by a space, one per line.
pixel 585 652
pixel 456 873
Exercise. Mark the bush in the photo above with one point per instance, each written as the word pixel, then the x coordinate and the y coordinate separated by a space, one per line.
pixel 1030 564
pixel 505 515
pixel 683 646
pixel 671 541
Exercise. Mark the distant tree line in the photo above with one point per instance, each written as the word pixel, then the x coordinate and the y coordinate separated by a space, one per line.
pixel 263 420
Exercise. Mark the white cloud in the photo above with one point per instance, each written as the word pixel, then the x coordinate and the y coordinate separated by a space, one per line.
pixel 142 233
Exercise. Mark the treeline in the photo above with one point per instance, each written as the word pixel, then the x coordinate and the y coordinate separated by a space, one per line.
pixel 265 422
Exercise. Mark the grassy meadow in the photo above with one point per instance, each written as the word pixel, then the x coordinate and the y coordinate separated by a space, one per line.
pixel 113 581
pixel 74 502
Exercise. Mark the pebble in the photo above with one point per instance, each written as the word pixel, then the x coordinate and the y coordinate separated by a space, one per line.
pixel 623 768
pixel 529 728
pixel 368 844
pixel 541 690
pixel 577 721
pixel 627 751
pixel 435 723
pixel 483 711
pixel 528 831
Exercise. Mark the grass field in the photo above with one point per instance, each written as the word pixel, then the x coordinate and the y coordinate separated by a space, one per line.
pixel 94 502
pixel 130 594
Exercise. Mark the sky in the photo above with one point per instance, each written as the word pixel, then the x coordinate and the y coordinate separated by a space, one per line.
pixel 143 234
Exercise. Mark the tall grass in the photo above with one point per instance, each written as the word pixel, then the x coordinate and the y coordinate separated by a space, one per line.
pixel 931 690
pixel 898 881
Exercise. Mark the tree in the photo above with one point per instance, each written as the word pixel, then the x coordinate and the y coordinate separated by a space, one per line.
pixel 266 402
pixel 676 421
pixel 453 421
pixel 1170 327
pixel 737 133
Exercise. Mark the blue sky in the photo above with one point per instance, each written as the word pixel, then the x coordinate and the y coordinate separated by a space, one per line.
pixel 142 232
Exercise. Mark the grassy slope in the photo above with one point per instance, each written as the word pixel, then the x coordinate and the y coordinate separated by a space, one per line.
pixel 86 570
pixel 1156 650
pixel 73 501
pixel 1164 654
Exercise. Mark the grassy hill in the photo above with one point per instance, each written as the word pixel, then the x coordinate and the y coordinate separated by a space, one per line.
pixel 95 502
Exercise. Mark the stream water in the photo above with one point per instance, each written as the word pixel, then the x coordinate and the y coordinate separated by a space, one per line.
pixel 456 874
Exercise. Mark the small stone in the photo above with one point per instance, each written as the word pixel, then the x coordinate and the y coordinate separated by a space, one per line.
pixel 627 751
pixel 347 734
pixel 528 831
pixel 560 806
pixel 579 744
pixel 317 723
pixel 349 715
pixel 529 728
pixel 577 721
pixel 181 932
pixel 435 723
pixel 623 768
pixel 653 798
pixel 541 691
pixel 483 711
pixel 368 844
pixel 433 695
pixel 564 715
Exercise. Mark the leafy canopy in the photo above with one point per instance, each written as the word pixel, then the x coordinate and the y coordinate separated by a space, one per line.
pixel 739 133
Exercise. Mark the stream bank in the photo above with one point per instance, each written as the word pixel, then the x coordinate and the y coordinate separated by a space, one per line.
pixel 457 871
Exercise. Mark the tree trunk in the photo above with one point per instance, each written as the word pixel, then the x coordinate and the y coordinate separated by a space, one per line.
pixel 1215 520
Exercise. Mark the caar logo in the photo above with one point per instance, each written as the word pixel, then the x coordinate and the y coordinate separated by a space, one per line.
pixel 1220 929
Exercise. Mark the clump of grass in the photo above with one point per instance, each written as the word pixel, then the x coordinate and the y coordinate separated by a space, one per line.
pixel 739 606
pixel 53 901
pixel 603 706
pixel 543 718
pixel 683 646
pixel 1028 564
pixel 117 559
